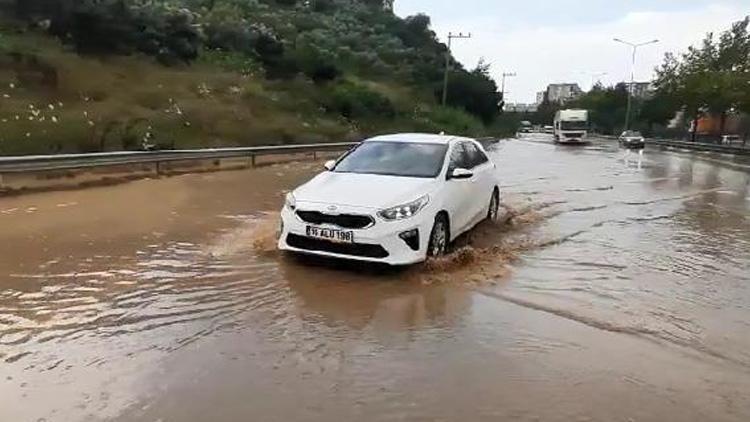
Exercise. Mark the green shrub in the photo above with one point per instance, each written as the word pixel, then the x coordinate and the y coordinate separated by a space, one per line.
pixel 448 120
pixel 354 101
pixel 319 65
pixel 323 6
pixel 121 27
pixel 231 60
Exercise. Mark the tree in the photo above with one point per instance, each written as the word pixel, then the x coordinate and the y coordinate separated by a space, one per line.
pixel 475 91
pixel 607 107
pixel 711 78
pixel 545 113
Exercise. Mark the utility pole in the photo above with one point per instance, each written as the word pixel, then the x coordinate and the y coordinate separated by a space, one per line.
pixel 502 85
pixel 632 76
pixel 451 36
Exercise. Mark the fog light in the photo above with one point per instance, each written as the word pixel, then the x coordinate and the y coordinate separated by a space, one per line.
pixel 411 238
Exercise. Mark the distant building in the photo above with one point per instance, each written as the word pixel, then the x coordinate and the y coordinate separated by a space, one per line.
pixel 540 96
pixel 642 90
pixel 562 93
pixel 520 108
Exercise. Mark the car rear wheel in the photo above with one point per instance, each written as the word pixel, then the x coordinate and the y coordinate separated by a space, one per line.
pixel 438 237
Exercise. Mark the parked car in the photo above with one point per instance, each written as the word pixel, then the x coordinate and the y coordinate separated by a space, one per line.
pixel 632 139
pixel 395 199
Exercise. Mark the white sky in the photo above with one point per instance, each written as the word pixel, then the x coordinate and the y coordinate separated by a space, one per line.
pixel 571 41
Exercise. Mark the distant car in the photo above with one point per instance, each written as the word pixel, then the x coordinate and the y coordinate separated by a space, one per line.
pixel 526 127
pixel 632 139
pixel 549 130
pixel 731 139
pixel 395 199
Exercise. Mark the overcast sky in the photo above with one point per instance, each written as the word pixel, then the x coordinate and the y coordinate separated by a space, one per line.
pixel 546 41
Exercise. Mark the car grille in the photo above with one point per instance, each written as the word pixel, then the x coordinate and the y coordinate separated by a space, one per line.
pixel 347 221
pixel 351 249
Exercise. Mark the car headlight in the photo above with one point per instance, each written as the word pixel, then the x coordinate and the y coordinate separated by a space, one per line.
pixel 290 201
pixel 401 212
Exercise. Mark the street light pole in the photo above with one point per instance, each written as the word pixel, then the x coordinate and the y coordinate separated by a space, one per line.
pixel 502 86
pixel 451 36
pixel 632 76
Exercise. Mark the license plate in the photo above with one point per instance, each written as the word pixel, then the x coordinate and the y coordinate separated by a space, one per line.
pixel 333 235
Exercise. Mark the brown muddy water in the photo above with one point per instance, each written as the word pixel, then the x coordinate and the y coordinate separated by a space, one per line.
pixel 617 289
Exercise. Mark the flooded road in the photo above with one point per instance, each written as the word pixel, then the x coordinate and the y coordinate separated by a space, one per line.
pixel 618 289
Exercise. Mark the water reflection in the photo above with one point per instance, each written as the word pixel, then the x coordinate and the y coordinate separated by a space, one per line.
pixel 370 296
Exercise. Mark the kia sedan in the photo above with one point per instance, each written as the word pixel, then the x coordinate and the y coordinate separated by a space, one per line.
pixel 395 199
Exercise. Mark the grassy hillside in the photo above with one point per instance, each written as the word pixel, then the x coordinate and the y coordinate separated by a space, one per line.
pixel 331 73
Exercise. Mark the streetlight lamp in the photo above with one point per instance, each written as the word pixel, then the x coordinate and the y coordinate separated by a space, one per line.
pixel 632 76
pixel 451 36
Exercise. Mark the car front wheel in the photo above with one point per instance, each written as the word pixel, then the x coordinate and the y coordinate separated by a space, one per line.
pixel 438 237
pixel 492 212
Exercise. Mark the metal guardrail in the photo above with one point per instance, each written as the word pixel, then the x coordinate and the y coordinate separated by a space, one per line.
pixel 31 163
pixel 694 146
pixel 699 146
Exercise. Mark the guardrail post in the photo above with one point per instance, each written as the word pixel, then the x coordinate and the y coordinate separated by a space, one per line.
pixel 252 160
pixel 315 155
pixel 158 168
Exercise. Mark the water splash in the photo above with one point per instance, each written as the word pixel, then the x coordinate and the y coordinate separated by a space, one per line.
pixel 257 234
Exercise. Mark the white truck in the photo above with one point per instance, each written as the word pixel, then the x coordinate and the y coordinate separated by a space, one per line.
pixel 571 126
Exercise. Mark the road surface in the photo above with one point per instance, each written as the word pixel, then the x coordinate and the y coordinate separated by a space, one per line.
pixel 619 290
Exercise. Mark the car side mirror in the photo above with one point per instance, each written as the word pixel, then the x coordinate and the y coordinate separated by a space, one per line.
pixel 330 165
pixel 462 174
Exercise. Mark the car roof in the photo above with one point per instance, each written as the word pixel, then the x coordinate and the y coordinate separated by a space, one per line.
pixel 423 138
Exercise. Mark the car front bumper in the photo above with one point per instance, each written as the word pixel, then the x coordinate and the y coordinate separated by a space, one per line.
pixel 382 242
pixel 634 143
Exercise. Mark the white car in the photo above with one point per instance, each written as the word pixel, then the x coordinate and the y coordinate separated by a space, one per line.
pixel 394 199
pixel 632 139
pixel 731 139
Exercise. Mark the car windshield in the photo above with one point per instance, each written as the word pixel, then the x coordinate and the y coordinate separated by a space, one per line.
pixel 405 159
pixel 632 133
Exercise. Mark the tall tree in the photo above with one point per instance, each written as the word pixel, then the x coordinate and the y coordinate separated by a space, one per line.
pixel 711 78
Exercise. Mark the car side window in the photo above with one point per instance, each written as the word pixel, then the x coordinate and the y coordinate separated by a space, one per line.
pixel 459 158
pixel 476 156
